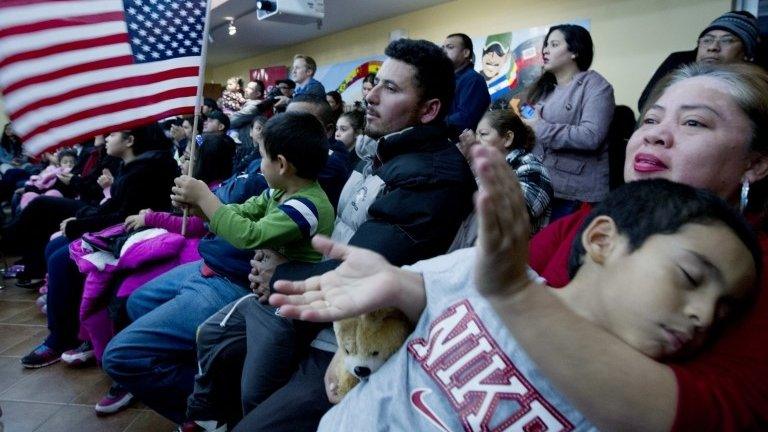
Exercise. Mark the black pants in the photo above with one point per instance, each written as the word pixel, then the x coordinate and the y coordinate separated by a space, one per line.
pixel 29 233
pixel 245 347
pixel 298 405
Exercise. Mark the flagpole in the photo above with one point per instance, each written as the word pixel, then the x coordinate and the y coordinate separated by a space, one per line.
pixel 198 105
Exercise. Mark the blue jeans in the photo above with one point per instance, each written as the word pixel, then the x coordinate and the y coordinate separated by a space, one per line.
pixel 154 357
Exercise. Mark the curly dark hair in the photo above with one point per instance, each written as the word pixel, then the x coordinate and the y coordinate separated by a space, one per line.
pixel 434 70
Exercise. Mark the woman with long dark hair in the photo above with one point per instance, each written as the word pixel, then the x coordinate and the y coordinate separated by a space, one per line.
pixel 573 110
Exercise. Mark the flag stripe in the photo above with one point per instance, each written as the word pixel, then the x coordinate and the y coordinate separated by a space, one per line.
pixel 112 108
pixel 15 101
pixel 42 11
pixel 20 70
pixel 106 86
pixel 14 45
pixel 14 4
pixel 68 46
pixel 123 60
pixel 40 145
pixel 59 23
pixel 108 122
pixel 26 124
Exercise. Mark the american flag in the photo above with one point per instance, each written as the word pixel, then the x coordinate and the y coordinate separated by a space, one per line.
pixel 72 69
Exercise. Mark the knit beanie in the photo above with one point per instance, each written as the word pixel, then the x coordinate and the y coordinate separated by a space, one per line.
pixel 742 26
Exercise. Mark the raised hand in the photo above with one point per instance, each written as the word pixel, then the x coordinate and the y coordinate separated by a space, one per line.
pixel 364 282
pixel 503 227
pixel 467 140
pixel 106 178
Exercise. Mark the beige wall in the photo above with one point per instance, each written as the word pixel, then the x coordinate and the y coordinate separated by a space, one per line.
pixel 632 37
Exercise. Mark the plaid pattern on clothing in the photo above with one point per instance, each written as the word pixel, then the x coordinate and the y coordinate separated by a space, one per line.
pixel 536 185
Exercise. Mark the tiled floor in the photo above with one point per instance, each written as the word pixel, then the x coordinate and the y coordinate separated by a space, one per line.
pixel 54 398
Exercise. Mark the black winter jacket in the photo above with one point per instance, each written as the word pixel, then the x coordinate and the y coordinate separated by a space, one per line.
pixel 426 195
pixel 142 183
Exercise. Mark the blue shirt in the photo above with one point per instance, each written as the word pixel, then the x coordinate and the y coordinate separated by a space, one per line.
pixel 470 100
pixel 313 87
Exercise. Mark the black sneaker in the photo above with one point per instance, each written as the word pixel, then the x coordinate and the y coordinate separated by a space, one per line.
pixel 40 357
pixel 26 280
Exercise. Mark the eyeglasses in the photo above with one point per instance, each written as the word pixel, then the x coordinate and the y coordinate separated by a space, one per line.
pixel 724 41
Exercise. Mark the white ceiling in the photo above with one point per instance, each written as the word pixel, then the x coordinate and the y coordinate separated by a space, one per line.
pixel 256 37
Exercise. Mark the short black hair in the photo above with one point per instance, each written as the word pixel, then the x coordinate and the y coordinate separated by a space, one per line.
pixel 149 138
pixel 289 82
pixel 301 139
pixel 214 158
pixel 370 78
pixel 167 123
pixel 644 208
pixel 466 42
pixel 434 70
pixel 211 103
pixel 68 152
pixel 326 113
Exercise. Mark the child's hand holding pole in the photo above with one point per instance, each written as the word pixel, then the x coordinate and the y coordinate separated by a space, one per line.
pixel 191 192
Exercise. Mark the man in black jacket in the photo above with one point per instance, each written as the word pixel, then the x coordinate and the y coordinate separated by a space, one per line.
pixel 406 203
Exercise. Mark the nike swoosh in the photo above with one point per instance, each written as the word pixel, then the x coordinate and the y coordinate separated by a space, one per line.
pixel 417 399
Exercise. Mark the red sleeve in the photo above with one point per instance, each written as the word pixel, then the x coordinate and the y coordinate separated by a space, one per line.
pixel 726 387
pixel 549 249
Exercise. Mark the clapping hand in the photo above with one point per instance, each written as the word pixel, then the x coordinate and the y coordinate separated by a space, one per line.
pixel 503 227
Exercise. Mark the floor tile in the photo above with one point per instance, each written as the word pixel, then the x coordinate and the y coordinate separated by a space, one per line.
pixel 13 335
pixel 55 383
pixel 83 419
pixel 26 416
pixel 150 421
pixel 36 336
pixel 12 292
pixel 11 311
pixel 11 372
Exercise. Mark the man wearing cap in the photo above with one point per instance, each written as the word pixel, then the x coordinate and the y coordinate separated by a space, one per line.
pixel 730 38
pixel 471 97
pixel 216 122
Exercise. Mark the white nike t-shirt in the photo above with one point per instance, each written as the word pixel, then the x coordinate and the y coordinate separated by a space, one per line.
pixel 459 370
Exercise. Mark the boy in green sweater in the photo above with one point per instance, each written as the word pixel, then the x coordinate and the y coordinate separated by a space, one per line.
pixel 283 218
pixel 286 216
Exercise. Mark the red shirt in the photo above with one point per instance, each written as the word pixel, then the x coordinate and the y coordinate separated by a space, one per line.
pixel 725 388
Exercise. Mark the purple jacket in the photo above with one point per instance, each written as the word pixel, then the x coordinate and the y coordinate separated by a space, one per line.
pixel 144 256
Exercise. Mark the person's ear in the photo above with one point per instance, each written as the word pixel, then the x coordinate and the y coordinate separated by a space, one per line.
pixel 467 54
pixel 283 166
pixel 129 140
pixel 429 110
pixel 509 137
pixel 757 168
pixel 600 239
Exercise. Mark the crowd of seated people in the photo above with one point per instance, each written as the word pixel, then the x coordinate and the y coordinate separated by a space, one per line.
pixel 201 269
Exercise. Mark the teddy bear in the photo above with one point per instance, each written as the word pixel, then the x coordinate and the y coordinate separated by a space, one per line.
pixel 365 343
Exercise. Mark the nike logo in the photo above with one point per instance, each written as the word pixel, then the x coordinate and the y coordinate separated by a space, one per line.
pixel 417 399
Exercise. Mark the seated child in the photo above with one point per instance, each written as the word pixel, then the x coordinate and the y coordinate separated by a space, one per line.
pixel 282 218
pixel 48 182
pixel 655 264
